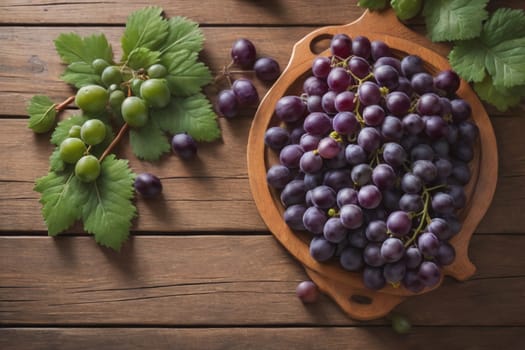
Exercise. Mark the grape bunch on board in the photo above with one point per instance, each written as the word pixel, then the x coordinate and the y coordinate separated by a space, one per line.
pixel 373 158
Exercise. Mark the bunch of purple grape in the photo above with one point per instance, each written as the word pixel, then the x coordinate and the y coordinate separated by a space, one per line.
pixel 373 160
pixel 242 93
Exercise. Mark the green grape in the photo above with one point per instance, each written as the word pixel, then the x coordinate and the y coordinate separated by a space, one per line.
pixel 71 150
pixel 74 131
pixel 111 75
pixel 92 98
pixel 87 168
pixel 113 87
pixel 93 132
pixel 400 324
pixel 135 111
pixel 99 64
pixel 156 92
pixel 115 100
pixel 406 9
pixel 135 86
pixel 157 71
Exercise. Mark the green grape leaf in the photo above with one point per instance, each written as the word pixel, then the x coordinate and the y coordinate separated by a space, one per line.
pixel 62 199
pixel 142 57
pixel 73 48
pixel 454 20
pixel 144 28
pixel 501 97
pixel 80 74
pixel 373 4
pixel 193 115
pixel 149 142
pixel 183 34
pixel 406 9
pixel 108 208
pixel 42 113
pixel 55 162
pixel 186 75
pixel 62 129
pixel 499 51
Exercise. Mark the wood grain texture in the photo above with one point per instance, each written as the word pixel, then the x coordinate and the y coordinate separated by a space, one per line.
pixel 223 280
pixel 221 185
pixel 350 338
pixel 231 12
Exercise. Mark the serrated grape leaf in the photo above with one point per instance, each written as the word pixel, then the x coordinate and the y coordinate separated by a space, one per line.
pixel 499 51
pixel 193 115
pixel 142 57
pixel 186 75
pixel 454 20
pixel 80 74
pixel 373 4
pixel 149 142
pixel 108 208
pixel 62 129
pixel 183 34
pixel 62 199
pixel 55 162
pixel 42 113
pixel 501 97
pixel 144 28
pixel 73 48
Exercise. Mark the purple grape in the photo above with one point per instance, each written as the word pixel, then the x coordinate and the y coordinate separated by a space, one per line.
pixel 386 76
pixel 334 231
pixel 361 174
pixel 369 93
pixel 310 162
pixel 321 250
pixel 376 231
pixel 243 53
pixel 436 127
pixel 389 61
pixel 442 203
pixel 384 176
pixel 355 154
pixel 311 181
pixel 411 203
pixel 372 254
pixel 444 168
pixel 429 104
pixel 337 179
pixel 461 110
pixel 392 128
pixel 394 154
pixel 373 278
pixel 428 243
pixel 392 249
pixel 276 138
pixel 359 67
pixel 463 151
pixel 227 104
pixel 412 282
pixel 369 138
pixel 399 223
pixel 147 185
pixel 425 170
pixel 411 65
pixel 184 145
pixel 345 123
pixel 293 216
pixel 267 69
pixel 429 273
pixel 317 124
pixel 293 193
pixel 324 197
pixel 338 79
pixel 290 108
pixel 357 238
pixel 345 101
pixel 351 216
pixel 290 155
pixel 440 228
pixel 345 196
pixel 351 259
pixel 329 148
pixel 398 103
pixel 321 66
pixel 413 257
pixel 413 124
pixel 245 92
pixel 379 49
pixel 447 81
pixel 422 152
pixel 422 83
pixel 461 172
pixel 394 272
pixel 373 115
pixel 458 195
pixel 361 46
pixel 446 254
pixel 307 292
pixel 314 103
pixel 341 46
pixel 314 86
pixel 278 176
pixel 468 132
pixel 328 102
pixel 314 220
pixel 369 197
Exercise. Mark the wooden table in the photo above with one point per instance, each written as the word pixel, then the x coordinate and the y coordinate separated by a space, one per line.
pixel 201 271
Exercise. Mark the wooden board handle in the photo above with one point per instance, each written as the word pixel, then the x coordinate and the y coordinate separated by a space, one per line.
pixel 359 304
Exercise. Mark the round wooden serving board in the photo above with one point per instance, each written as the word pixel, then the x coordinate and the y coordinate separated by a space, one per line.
pixel 346 288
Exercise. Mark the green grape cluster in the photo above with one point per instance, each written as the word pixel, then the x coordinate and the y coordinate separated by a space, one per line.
pixel 128 93
pixel 75 149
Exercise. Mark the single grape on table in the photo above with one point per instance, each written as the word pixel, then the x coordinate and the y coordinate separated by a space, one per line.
pixel 378 172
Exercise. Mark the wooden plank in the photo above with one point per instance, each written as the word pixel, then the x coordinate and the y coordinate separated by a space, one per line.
pixel 218 180
pixel 217 280
pixel 25 73
pixel 208 11
pixel 350 338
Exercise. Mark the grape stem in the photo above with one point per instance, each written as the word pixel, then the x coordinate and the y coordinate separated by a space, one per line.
pixel 61 106
pixel 116 140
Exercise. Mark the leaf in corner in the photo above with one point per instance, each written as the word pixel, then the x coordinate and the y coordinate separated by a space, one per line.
pixel 193 115
pixel 183 34
pixel 62 198
pixel 499 51
pixel 500 97
pixel 80 74
pixel 42 113
pixel 73 48
pixel 55 162
pixel 186 75
pixel 373 4
pixel 144 28
pixel 149 142
pixel 108 209
pixel 142 57
pixel 454 20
